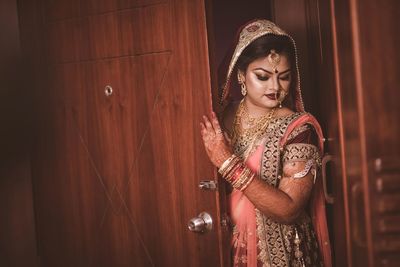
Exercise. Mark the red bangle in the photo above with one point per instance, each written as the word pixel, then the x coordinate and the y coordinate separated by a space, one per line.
pixel 237 173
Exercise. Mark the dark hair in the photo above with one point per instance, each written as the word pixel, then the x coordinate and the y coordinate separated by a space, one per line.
pixel 261 47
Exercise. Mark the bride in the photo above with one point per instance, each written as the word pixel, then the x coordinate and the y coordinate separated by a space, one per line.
pixel 269 150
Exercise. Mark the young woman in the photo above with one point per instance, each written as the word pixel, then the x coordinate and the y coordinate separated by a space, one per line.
pixel 269 149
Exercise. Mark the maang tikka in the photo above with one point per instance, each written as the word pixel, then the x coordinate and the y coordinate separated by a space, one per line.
pixel 274 59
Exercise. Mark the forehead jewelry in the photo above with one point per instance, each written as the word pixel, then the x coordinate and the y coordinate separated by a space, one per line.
pixel 274 59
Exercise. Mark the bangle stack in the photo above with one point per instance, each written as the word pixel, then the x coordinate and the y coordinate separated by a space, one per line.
pixel 235 171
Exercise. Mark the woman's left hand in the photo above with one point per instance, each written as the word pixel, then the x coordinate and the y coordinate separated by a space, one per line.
pixel 216 145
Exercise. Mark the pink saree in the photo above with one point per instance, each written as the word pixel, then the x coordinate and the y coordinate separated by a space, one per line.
pixel 244 217
pixel 243 214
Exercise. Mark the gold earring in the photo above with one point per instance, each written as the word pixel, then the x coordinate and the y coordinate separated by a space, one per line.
pixel 243 87
pixel 242 84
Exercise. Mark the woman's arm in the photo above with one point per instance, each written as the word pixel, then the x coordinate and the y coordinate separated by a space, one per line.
pixel 293 193
pixel 283 204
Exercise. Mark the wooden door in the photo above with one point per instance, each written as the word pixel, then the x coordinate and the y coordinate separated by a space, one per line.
pixel 120 90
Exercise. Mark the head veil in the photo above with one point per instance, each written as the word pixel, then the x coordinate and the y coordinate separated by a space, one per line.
pixel 247 34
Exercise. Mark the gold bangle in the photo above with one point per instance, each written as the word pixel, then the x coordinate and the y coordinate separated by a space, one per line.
pixel 230 167
pixel 242 178
pixel 226 163
pixel 245 179
pixel 232 174
pixel 248 182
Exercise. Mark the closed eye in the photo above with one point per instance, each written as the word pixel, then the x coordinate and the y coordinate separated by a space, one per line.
pixel 285 78
pixel 262 78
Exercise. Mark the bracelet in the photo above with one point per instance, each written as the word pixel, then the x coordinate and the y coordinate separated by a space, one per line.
pixel 246 177
pixel 236 174
pixel 226 163
pixel 235 171
pixel 238 183
pixel 248 182
pixel 232 165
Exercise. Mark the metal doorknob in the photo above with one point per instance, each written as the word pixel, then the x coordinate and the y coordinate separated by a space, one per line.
pixel 201 223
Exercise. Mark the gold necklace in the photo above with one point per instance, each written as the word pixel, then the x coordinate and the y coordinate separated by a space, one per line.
pixel 257 126
pixel 251 121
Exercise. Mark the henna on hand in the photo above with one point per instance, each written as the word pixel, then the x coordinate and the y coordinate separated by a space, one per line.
pixel 215 143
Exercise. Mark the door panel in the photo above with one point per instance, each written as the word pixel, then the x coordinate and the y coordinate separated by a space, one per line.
pixel 121 33
pixel 64 9
pixel 116 173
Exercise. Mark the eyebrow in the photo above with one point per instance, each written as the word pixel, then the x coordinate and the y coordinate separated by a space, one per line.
pixel 271 72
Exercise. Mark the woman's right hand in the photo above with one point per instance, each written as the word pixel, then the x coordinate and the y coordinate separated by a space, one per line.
pixel 216 145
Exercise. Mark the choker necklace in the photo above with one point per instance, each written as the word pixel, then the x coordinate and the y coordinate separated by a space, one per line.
pixel 257 125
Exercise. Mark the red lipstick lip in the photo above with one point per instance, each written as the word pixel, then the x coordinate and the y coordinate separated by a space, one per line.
pixel 271 96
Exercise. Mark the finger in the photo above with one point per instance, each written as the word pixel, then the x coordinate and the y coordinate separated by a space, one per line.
pixel 208 124
pixel 215 124
pixel 203 129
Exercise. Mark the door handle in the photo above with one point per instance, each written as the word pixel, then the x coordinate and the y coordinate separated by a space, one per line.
pixel 201 224
pixel 328 197
pixel 208 185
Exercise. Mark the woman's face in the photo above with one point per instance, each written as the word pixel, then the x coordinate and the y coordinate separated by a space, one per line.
pixel 266 84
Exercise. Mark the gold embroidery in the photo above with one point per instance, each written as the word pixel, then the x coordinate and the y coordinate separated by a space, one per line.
pixel 271 156
pixel 244 259
pixel 288 231
pixel 300 152
pixel 271 239
pixel 275 241
pixel 262 240
pixel 298 131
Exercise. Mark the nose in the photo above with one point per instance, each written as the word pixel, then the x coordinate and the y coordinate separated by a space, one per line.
pixel 275 83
